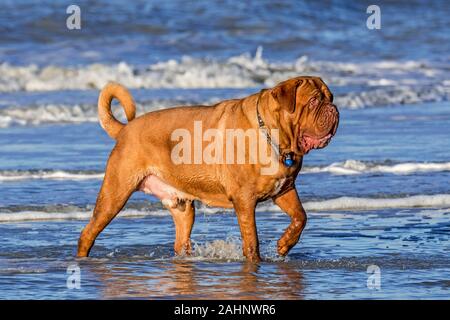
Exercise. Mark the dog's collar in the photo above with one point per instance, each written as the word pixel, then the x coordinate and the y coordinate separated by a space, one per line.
pixel 258 115
pixel 287 157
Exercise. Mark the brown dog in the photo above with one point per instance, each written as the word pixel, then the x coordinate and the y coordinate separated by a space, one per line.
pixel 301 111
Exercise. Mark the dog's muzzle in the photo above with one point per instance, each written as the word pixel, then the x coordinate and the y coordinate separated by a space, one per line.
pixel 327 121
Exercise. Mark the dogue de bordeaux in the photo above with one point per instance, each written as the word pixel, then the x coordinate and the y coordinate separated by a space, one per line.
pixel 301 110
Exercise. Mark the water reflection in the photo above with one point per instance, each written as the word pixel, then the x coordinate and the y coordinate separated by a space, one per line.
pixel 185 279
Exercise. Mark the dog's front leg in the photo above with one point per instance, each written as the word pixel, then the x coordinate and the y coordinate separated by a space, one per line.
pixel 290 203
pixel 245 211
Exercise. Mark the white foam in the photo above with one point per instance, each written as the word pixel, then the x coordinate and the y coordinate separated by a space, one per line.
pixel 48 113
pixel 395 95
pixel 354 203
pixel 82 113
pixel 337 204
pixel 348 167
pixel 74 215
pixel 186 73
pixel 352 167
pixel 396 82
pixel 15 175
pixel 381 83
pixel 62 113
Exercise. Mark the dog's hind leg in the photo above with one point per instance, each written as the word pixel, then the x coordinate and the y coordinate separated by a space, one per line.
pixel 117 187
pixel 183 214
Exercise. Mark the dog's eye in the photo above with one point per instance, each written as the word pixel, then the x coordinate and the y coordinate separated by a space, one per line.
pixel 313 102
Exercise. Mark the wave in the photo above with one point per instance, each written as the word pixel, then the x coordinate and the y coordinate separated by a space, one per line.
pixel 75 215
pixel 352 167
pixel 59 212
pixel 63 113
pixel 15 175
pixel 385 82
pixel 48 113
pixel 355 203
pixel 348 167
pixel 242 71
pixel 391 96
pixel 82 113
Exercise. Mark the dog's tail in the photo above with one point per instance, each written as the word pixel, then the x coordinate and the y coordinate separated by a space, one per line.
pixel 109 123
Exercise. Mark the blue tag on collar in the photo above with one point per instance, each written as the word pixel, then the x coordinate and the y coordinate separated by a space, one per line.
pixel 288 160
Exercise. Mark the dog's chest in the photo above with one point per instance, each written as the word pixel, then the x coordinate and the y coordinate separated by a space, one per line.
pixel 279 185
pixel 276 187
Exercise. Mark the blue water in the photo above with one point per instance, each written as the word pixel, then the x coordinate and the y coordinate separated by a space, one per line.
pixel 377 195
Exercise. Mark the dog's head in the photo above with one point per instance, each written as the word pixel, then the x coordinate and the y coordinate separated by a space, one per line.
pixel 306 112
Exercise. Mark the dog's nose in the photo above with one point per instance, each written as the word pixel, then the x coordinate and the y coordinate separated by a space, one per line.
pixel 332 107
pixel 329 118
pixel 334 115
pixel 331 111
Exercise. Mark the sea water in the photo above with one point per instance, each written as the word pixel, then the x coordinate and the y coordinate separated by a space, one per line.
pixel 378 195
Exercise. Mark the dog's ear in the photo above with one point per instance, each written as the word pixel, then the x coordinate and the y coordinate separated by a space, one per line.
pixel 285 94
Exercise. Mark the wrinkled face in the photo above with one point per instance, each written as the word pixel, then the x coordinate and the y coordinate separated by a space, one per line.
pixel 309 104
pixel 320 117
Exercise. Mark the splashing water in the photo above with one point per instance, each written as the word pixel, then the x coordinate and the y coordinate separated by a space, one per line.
pixel 229 249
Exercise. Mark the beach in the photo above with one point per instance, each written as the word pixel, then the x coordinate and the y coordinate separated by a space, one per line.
pixel 378 195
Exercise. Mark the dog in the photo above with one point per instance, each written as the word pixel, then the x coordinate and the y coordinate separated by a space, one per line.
pixel 300 110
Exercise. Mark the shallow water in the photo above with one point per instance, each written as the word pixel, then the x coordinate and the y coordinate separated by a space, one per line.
pixel 133 258
pixel 377 195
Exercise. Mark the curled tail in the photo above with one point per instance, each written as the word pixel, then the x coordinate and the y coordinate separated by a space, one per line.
pixel 109 123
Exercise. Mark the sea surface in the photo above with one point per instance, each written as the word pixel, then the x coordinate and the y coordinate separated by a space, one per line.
pixel 378 197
